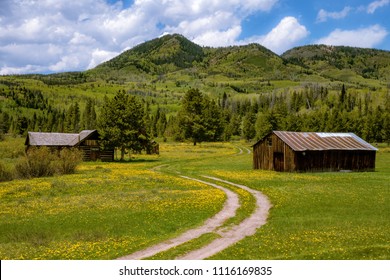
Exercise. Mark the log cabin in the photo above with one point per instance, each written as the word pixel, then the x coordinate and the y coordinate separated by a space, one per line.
pixel 86 140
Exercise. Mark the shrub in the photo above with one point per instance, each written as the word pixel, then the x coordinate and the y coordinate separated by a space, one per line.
pixel 41 162
pixel 38 162
pixel 68 161
pixel 5 173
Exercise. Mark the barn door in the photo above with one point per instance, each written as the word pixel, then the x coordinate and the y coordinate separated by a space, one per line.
pixel 278 161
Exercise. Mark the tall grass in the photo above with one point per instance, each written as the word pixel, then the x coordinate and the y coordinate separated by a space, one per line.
pixel 104 211
pixel 5 173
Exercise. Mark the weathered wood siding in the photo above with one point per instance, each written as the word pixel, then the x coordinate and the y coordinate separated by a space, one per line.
pixel 273 154
pixel 336 160
pixel 92 151
pixel 107 155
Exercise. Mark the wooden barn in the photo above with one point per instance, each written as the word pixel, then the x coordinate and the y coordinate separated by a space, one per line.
pixel 86 140
pixel 313 152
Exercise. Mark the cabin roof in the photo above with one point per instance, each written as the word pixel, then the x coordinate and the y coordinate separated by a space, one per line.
pixel 321 141
pixel 57 139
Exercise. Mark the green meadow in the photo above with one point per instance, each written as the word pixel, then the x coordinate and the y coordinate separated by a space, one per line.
pixel 108 210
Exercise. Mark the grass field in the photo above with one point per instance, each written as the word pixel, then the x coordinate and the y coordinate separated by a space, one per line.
pixel 107 210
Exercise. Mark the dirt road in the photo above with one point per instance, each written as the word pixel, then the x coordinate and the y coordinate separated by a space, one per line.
pixel 229 210
pixel 229 236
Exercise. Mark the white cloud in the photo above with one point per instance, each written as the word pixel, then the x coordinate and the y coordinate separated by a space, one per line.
pixel 372 7
pixel 179 10
pixel 81 39
pixel 218 29
pixel 66 62
pixel 282 37
pixel 324 15
pixel 258 5
pixel 364 37
pixel 219 38
pixel 6 70
pixel 100 56
pixel 51 35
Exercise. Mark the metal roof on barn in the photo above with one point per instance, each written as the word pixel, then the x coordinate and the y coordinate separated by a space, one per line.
pixel 57 139
pixel 320 141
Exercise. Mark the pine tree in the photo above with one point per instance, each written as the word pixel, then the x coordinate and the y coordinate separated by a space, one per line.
pixel 161 124
pixel 86 119
pixel 68 125
pixel 122 124
pixel 263 126
pixel 343 96
pixel 199 118
pixel 248 126
pixel 386 122
pixel 76 118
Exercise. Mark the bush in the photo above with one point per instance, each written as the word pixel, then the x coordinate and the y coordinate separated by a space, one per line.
pixel 5 174
pixel 68 161
pixel 38 162
pixel 41 162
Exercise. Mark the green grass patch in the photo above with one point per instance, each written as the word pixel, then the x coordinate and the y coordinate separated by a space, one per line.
pixel 187 247
pixel 107 210
pixel 319 216
pixel 102 212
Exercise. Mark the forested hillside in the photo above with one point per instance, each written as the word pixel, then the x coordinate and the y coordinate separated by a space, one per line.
pixel 311 88
pixel 342 62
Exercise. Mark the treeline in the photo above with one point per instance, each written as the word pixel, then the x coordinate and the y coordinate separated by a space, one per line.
pixel 307 108
pixel 311 108
pixel 28 110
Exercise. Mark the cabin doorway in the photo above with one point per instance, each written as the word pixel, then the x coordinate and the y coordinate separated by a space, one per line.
pixel 95 154
pixel 278 161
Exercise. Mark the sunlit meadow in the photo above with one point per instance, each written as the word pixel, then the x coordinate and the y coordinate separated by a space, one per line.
pixel 107 210
pixel 104 211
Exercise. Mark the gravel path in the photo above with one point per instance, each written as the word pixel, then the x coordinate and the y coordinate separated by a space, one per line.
pixel 228 236
pixel 229 210
pixel 245 228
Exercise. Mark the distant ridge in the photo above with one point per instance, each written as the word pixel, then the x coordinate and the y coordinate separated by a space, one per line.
pixel 173 53
pixel 368 63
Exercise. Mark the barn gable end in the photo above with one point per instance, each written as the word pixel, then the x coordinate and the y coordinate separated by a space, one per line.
pixel 312 151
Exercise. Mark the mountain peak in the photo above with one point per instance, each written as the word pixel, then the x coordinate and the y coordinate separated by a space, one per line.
pixel 169 52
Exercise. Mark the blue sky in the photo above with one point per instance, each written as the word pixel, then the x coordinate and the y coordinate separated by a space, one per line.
pixel 46 36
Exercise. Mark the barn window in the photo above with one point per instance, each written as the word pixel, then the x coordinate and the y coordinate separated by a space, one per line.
pixel 269 141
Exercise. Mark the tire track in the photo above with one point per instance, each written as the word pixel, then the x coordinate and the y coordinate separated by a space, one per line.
pixel 241 150
pixel 229 235
pixel 229 210
pixel 246 228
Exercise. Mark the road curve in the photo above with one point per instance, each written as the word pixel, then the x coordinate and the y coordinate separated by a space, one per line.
pixel 245 228
pixel 229 210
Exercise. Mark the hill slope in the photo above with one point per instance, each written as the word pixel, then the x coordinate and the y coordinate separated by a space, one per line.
pixel 165 54
pixel 346 64
pixel 175 53
pixel 176 56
